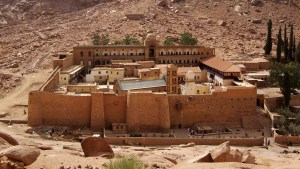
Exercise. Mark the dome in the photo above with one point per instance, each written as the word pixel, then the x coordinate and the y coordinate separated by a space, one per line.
pixel 151 37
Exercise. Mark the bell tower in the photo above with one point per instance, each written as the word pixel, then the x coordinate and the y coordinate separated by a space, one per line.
pixel 151 47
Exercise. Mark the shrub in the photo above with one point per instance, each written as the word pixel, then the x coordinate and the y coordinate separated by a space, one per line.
pixel 125 163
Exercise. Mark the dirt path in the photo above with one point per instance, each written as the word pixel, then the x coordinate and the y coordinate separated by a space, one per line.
pixel 15 102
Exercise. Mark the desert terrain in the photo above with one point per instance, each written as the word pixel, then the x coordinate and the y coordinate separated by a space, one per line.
pixel 31 31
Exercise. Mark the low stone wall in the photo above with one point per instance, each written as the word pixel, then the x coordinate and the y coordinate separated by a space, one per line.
pixel 152 141
pixel 295 140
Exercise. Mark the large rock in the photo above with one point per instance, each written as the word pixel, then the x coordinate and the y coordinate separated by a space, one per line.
pixel 256 2
pixel 220 153
pixel 8 138
pixel 95 146
pixel 247 157
pixel 162 3
pixel 25 154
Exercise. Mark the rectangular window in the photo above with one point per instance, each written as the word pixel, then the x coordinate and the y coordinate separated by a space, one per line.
pixel 81 62
pixel 90 54
pixel 81 54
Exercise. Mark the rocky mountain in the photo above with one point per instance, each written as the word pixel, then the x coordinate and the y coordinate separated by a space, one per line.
pixel 31 30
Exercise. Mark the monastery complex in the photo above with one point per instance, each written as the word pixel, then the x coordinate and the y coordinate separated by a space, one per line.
pixel 147 88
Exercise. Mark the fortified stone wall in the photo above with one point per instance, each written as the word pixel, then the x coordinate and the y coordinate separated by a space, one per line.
pixel 115 109
pixel 220 108
pixel 147 112
pixel 58 110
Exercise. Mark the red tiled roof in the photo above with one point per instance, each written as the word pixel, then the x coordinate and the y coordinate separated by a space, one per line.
pixel 221 64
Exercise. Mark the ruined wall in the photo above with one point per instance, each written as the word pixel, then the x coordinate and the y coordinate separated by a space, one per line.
pixel 220 108
pixel 115 109
pixel 147 112
pixel 58 110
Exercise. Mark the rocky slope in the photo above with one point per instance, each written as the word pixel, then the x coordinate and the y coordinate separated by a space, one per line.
pixel 33 29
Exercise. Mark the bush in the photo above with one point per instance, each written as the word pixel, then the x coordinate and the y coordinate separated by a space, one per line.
pixel 280 122
pixel 297 117
pixel 125 163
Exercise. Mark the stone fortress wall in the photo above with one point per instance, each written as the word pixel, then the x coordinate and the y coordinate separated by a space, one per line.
pixel 142 111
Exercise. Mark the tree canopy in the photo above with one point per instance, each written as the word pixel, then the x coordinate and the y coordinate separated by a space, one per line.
pixel 168 42
pixel 100 40
pixel 186 38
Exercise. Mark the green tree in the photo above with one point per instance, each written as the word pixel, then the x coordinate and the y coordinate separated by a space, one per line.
pixel 128 40
pixel 286 88
pixel 95 38
pixel 285 46
pixel 297 119
pixel 268 45
pixel 186 38
pixel 291 43
pixel 99 40
pixel 287 77
pixel 297 53
pixel 168 42
pixel 104 39
pixel 279 45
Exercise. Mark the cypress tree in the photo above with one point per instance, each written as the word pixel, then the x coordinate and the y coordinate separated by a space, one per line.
pixel 294 46
pixel 285 45
pixel 268 45
pixel 297 53
pixel 291 43
pixel 279 45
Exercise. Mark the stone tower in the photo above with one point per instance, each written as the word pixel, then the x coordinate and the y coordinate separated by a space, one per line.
pixel 172 79
pixel 151 47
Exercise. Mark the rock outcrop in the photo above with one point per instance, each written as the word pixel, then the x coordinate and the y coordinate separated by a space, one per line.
pixel 95 146
pixel 8 138
pixel 25 154
pixel 223 153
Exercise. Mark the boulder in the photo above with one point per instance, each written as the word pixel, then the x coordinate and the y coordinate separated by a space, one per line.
pixel 96 146
pixel 162 3
pixel 256 21
pixel 3 114
pixel 8 138
pixel 25 154
pixel 206 158
pixel 256 2
pixel 235 156
pixel 221 152
pixel 247 157
pixel 222 23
